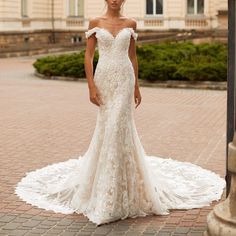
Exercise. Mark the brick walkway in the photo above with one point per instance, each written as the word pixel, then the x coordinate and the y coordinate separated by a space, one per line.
pixel 44 122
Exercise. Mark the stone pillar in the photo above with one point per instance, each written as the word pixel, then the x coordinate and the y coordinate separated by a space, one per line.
pixel 221 220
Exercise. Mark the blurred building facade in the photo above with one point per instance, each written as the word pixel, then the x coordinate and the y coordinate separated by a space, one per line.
pixel 64 21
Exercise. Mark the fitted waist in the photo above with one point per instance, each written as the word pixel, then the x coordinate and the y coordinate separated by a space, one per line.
pixel 114 65
pixel 116 60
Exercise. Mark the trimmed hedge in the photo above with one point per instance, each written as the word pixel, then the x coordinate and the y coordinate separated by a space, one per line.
pixel 165 61
pixel 71 65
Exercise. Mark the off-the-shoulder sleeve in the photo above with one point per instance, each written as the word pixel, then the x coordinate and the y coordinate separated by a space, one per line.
pixel 89 32
pixel 134 34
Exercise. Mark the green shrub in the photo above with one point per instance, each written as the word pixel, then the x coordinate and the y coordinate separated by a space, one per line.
pixel 71 65
pixel 164 61
pixel 183 61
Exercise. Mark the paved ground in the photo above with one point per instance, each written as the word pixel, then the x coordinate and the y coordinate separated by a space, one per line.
pixel 44 121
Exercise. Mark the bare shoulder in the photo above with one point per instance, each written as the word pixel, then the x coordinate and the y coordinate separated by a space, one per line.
pixel 93 22
pixel 131 22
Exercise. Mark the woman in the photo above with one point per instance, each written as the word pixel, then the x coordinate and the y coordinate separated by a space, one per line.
pixel 115 178
pixel 114 23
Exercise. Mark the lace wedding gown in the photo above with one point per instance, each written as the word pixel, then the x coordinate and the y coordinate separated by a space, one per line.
pixel 115 178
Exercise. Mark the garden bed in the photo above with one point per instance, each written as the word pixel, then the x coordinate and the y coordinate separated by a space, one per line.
pixel 157 63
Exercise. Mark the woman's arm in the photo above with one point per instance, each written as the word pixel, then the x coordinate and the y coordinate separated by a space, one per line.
pixel 89 55
pixel 88 65
pixel 133 56
pixel 134 60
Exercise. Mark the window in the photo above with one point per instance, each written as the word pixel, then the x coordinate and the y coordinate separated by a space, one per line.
pixel 154 7
pixel 76 39
pixel 195 7
pixel 76 8
pixel 24 8
pixel 200 6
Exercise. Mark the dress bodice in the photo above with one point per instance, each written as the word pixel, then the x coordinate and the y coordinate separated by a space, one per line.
pixel 110 45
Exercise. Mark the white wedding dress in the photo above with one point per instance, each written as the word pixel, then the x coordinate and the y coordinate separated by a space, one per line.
pixel 115 178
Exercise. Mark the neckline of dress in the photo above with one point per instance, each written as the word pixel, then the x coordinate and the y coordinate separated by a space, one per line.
pixel 114 37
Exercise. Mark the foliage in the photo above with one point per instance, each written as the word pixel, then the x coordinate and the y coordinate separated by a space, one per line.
pixel 183 61
pixel 164 61
pixel 68 65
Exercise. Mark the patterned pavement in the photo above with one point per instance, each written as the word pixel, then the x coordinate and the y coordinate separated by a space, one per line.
pixel 46 121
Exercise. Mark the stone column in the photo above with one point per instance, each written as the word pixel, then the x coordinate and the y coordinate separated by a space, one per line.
pixel 221 220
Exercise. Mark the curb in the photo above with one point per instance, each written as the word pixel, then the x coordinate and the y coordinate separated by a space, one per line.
pixel 210 85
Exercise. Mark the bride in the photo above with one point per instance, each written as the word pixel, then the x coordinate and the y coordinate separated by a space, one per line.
pixel 115 178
